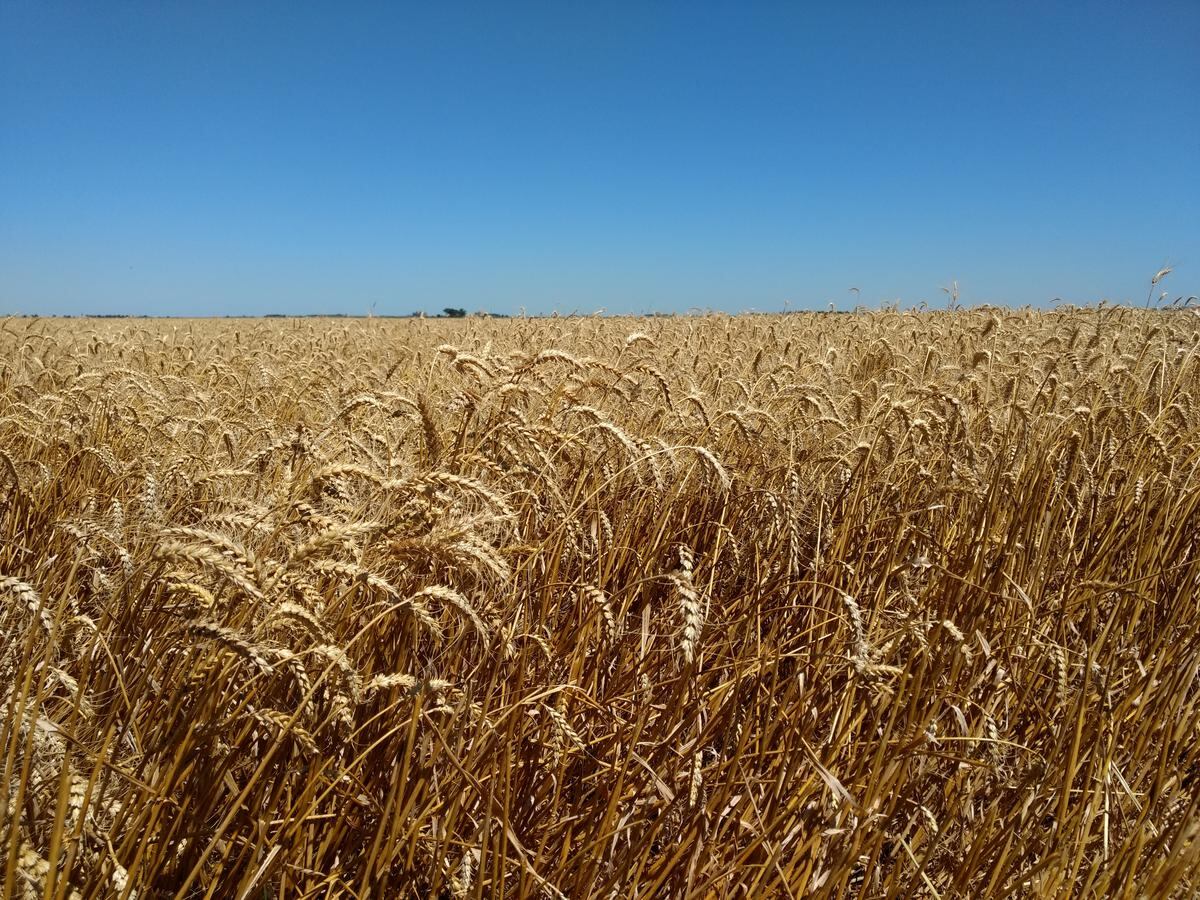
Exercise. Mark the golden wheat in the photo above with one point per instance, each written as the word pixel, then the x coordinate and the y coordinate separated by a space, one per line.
pixel 884 604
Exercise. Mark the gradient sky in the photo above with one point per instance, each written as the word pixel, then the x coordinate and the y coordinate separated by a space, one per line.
pixel 211 158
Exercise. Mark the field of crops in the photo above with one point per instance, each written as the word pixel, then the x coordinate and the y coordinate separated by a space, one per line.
pixel 875 604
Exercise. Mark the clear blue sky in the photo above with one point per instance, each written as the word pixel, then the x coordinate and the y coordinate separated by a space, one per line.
pixel 209 158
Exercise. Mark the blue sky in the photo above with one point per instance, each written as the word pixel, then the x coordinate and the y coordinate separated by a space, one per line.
pixel 212 158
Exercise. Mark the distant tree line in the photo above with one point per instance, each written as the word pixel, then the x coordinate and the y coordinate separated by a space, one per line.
pixel 456 312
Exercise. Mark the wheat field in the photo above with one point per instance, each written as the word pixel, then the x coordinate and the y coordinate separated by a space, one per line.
pixel 887 604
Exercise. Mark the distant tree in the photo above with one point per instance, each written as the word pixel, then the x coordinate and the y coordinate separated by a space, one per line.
pixel 454 313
